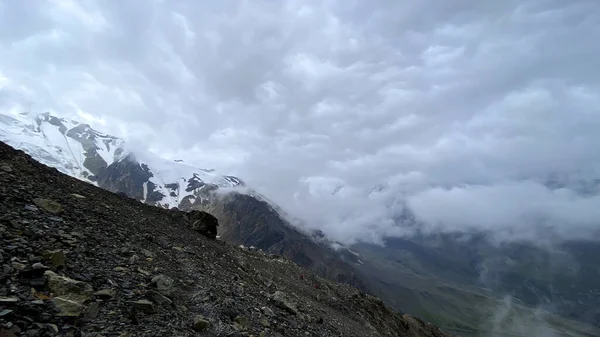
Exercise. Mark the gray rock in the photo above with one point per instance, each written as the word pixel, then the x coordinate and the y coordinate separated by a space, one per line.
pixel 32 208
pixel 18 266
pixel 200 323
pixel 53 328
pixel 163 284
pixel 8 300
pixel 134 259
pixel 67 288
pixel 204 223
pixel 48 205
pixel 144 306
pixel 105 294
pixel 147 253
pixel 280 300
pixel 68 307
pixel 57 258
pixel 159 299
pixel 267 311
pixel 92 310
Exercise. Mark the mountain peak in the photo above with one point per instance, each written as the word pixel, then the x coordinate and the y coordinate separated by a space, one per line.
pixel 77 149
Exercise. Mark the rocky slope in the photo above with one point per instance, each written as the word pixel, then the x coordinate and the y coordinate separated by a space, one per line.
pixel 251 222
pixel 78 260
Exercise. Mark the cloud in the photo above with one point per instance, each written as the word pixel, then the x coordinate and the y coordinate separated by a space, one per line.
pixel 343 112
pixel 519 210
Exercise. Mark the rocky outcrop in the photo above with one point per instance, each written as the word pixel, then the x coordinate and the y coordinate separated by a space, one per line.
pixel 204 223
pixel 129 269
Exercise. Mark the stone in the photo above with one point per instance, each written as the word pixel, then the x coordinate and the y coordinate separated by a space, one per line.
pixel 134 259
pixel 147 253
pixel 68 307
pixel 265 322
pixel 6 333
pixel 158 298
pixel 122 195
pixel 68 288
pixel 8 300
pixel 78 196
pixel 280 300
pixel 144 306
pixel 200 323
pixel 105 294
pixel 5 312
pixel 267 311
pixel 163 284
pixel 39 265
pixel 18 266
pixel 143 272
pixel 48 205
pixel 204 223
pixel 57 258
pixel 52 328
pixel 92 310
pixel 242 320
pixel 32 208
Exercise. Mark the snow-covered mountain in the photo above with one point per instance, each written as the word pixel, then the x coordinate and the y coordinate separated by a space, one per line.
pixel 78 150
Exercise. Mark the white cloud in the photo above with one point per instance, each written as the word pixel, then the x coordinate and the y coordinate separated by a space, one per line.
pixel 436 103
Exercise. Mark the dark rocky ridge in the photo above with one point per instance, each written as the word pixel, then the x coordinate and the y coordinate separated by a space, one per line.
pixel 78 260
pixel 248 221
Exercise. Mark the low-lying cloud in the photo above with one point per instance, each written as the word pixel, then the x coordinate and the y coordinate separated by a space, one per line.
pixel 342 112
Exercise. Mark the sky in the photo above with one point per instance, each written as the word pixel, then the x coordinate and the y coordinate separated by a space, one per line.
pixel 344 112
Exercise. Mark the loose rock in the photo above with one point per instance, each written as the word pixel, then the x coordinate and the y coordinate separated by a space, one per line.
pixel 48 205
pixel 200 323
pixel 144 306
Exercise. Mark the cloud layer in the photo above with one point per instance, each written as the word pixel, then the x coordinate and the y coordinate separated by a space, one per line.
pixel 343 112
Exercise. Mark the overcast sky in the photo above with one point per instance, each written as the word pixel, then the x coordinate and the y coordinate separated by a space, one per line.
pixel 340 111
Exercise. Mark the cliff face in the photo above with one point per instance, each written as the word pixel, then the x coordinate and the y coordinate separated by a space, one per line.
pixel 80 260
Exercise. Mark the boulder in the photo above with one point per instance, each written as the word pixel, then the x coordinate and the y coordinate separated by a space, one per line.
pixel 68 307
pixel 122 195
pixel 67 288
pixel 280 300
pixel 204 223
pixel 56 257
pixel 48 205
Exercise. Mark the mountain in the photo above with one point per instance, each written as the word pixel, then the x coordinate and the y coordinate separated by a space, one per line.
pixel 246 217
pixel 445 276
pixel 78 260
pixel 80 151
